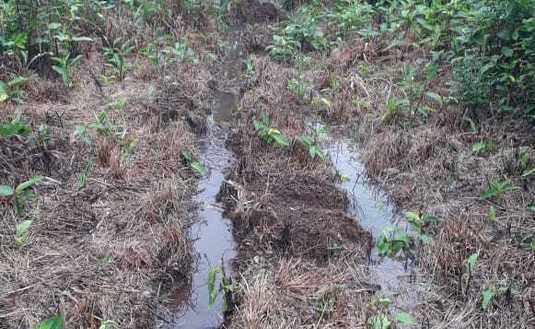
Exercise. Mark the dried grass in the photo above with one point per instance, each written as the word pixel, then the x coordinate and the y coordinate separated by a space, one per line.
pixel 114 249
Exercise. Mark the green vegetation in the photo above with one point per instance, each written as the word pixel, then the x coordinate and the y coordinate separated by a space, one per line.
pixel 189 160
pixel 496 189
pixel 488 44
pixel 311 143
pixel 225 287
pixel 63 67
pixel 116 55
pixel 21 232
pixel 20 194
pixel 55 322
pixel 270 135
pixel 12 90
pixel 393 241
pixel 14 128
pixel 300 89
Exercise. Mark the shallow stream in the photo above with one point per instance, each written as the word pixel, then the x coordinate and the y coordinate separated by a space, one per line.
pixel 212 233
pixel 372 210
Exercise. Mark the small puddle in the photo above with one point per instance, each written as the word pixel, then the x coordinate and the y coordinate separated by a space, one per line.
pixel 374 213
pixel 214 242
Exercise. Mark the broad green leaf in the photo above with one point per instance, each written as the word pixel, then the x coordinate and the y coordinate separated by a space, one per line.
pixel 14 128
pixel 273 131
pixel 22 228
pixel 414 218
pixel 257 125
pixel 405 319
pixel 6 191
pixel 199 168
pixel 187 157
pixel 29 183
pixel 55 322
pixel 212 292
pixel 108 324
pixel 487 296
pixel 531 206
pixel 281 140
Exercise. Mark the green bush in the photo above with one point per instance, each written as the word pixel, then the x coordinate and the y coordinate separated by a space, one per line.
pixel 490 44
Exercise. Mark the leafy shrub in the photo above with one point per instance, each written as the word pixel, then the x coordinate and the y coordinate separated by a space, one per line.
pixel 302 32
pixel 351 15
pixel 490 44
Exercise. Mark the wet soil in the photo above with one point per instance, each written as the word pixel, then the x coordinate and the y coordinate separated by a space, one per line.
pixel 375 213
pixel 213 244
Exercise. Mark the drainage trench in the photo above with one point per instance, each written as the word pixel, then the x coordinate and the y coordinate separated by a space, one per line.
pixel 212 233
pixel 373 211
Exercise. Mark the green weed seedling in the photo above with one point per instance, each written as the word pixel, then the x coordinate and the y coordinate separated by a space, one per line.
pixel 21 194
pixel 189 160
pixel 283 48
pixel 108 324
pixel 405 319
pixel 14 128
pixel 64 66
pixel 55 322
pixel 487 296
pixel 267 133
pixel 116 57
pixel 249 66
pixel 496 189
pixel 300 89
pixel 311 143
pixel 470 267
pixel 379 321
pixel 394 106
pixel 182 53
pixel 351 15
pixel 225 286
pixel 155 56
pixel 420 221
pixel 21 232
pixel 393 241
pixel 102 125
pixel 12 90
pixel 119 104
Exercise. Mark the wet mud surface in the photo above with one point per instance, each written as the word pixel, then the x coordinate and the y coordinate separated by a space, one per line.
pixel 375 213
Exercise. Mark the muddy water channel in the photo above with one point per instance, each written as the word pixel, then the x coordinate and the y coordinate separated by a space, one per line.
pixel 374 213
pixel 212 233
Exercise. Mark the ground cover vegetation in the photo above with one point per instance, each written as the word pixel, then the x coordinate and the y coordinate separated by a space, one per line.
pixel 95 200
pixel 440 97
pixel 102 104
